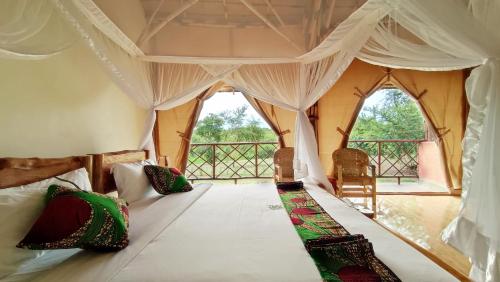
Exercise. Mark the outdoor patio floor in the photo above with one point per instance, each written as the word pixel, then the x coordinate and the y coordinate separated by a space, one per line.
pixel 421 220
pixel 406 186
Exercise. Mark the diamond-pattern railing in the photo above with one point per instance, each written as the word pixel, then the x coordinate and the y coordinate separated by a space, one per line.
pixel 392 158
pixel 231 160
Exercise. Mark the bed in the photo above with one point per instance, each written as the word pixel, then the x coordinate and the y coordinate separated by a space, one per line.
pixel 217 233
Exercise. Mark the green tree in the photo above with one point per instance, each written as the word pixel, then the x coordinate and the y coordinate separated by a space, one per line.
pixel 209 130
pixel 235 118
pixel 231 126
pixel 397 118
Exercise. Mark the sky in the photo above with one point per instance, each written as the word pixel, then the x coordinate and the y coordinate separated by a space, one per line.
pixel 223 101
pixel 376 98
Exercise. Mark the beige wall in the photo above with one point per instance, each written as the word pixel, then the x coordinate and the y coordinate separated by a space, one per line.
pixel 65 105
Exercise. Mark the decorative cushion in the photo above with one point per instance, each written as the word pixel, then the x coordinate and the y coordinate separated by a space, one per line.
pixel 79 219
pixel 350 259
pixel 167 180
pixel 291 185
pixel 19 208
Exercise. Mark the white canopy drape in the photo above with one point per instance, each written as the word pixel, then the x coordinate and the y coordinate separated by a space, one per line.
pixel 417 34
pixel 450 38
pixel 32 30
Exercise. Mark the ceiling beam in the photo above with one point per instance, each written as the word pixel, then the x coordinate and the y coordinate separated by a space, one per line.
pixel 226 14
pixel 268 23
pixel 165 21
pixel 275 13
pixel 150 21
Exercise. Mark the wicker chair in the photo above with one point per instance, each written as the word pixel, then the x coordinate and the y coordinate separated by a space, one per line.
pixel 350 167
pixel 283 165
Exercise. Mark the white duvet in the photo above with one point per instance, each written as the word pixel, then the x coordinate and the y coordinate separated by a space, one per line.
pixel 223 233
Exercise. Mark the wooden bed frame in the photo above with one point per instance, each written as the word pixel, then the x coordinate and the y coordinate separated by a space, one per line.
pixel 22 171
pixel 103 181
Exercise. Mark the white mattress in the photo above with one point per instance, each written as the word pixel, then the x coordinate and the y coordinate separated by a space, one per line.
pixel 225 233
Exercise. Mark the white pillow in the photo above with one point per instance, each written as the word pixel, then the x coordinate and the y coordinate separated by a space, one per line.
pixel 131 181
pixel 19 208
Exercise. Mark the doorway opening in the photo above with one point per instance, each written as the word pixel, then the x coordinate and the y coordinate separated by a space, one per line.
pixel 393 131
pixel 231 141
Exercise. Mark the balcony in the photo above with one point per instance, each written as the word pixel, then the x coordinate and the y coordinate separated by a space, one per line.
pixel 231 161
pixel 254 160
pixel 392 158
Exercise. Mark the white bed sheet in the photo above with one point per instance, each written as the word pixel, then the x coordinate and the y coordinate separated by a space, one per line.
pixel 228 233
pixel 232 233
pixel 147 218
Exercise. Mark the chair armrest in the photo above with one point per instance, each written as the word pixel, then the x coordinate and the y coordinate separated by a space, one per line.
pixel 372 170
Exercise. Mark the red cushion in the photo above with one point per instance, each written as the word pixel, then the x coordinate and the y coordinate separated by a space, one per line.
pixel 79 219
pixel 62 217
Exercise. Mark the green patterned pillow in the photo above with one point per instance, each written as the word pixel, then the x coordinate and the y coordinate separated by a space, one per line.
pixel 167 180
pixel 79 219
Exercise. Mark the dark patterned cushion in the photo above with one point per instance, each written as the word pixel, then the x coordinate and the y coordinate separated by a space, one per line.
pixel 79 219
pixel 350 259
pixel 167 180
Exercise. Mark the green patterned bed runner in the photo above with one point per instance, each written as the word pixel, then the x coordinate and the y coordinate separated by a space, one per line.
pixel 338 255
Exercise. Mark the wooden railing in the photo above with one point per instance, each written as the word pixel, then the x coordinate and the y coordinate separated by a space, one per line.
pixel 392 158
pixel 231 161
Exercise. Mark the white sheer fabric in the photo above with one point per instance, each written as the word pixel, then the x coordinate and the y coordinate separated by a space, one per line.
pixel 294 86
pixel 449 37
pixel 152 86
pixel 417 34
pixel 31 30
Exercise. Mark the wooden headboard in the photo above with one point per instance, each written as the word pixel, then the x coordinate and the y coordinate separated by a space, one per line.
pixel 21 171
pixel 103 181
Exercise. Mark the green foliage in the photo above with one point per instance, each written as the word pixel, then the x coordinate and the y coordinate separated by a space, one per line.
pixel 209 129
pixel 231 126
pixel 397 118
pixel 227 127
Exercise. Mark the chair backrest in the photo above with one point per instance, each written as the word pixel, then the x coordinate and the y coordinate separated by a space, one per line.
pixel 284 158
pixel 354 162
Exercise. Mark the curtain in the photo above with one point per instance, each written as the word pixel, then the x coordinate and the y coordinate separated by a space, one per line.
pixel 457 37
pixel 311 77
pixel 32 30
pixel 440 96
pixel 153 86
pixel 172 130
pixel 183 154
pixel 338 106
pixel 278 119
